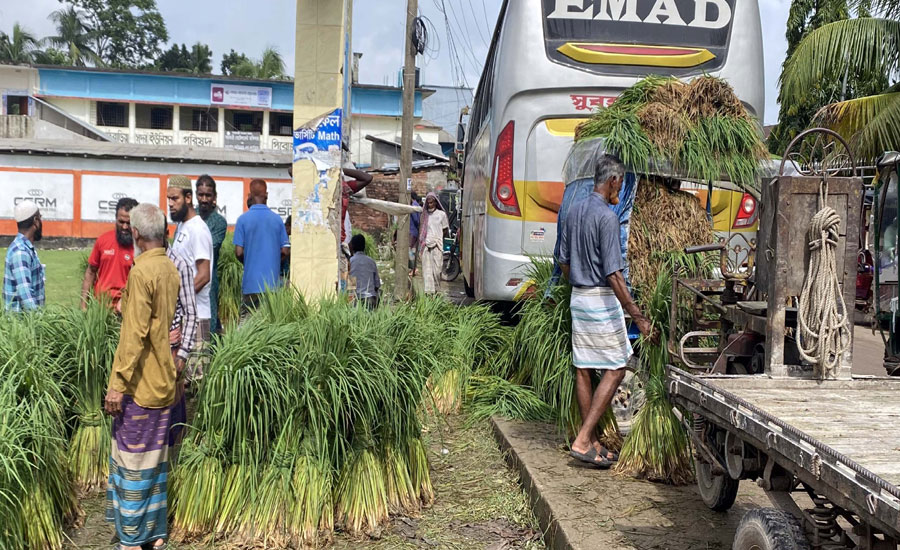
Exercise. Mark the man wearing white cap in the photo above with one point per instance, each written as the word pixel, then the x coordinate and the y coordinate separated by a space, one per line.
pixel 23 278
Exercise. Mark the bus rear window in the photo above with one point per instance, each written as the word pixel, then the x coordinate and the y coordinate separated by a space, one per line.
pixel 623 36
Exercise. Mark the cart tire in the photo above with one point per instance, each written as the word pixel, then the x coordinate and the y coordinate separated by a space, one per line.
pixel 769 529
pixel 717 492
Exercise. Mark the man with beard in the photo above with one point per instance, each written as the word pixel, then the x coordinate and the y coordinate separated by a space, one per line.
pixel 433 228
pixel 111 259
pixel 206 207
pixel 23 277
pixel 193 243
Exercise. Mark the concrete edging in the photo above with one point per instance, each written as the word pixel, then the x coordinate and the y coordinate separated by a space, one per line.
pixel 555 536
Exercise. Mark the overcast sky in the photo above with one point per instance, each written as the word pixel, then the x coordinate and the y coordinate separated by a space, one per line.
pixel 377 33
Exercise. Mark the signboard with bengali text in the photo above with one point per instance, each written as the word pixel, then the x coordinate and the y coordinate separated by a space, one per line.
pixel 238 95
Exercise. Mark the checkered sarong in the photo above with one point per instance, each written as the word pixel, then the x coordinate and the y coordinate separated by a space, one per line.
pixel 200 357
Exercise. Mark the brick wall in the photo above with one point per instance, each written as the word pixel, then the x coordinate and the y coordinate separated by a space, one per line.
pixel 385 186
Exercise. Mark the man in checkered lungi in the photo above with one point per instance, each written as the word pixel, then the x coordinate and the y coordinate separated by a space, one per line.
pixel 590 257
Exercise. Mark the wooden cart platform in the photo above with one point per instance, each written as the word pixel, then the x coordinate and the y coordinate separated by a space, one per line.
pixel 841 437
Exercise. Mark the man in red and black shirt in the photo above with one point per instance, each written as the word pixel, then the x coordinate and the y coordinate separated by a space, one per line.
pixel 111 259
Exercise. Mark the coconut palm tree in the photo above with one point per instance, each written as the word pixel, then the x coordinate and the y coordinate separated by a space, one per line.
pixel 73 37
pixel 18 49
pixel 269 67
pixel 200 59
pixel 866 48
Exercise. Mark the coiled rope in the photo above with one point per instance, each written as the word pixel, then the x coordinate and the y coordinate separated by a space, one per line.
pixel 824 334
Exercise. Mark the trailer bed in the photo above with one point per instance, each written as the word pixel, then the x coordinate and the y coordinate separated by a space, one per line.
pixel 843 436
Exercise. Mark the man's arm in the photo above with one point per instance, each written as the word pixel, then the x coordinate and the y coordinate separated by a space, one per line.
pixel 362 179
pixel 565 270
pixel 135 328
pixel 188 298
pixel 238 239
pixel 617 283
pixel 285 252
pixel 21 272
pixel 239 252
pixel 90 276
pixel 202 278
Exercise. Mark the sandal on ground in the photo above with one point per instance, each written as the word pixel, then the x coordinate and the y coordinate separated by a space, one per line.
pixel 591 457
pixel 612 456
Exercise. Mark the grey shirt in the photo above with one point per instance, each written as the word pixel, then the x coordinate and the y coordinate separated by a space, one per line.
pixel 590 243
pixel 364 270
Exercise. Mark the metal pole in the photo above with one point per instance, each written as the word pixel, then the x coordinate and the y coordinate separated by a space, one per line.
pixel 401 254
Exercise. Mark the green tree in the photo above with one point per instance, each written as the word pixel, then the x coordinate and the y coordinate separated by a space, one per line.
pixel 860 55
pixel 19 48
pixel 197 60
pixel 52 56
pixel 269 67
pixel 125 33
pixel 231 59
pixel 73 37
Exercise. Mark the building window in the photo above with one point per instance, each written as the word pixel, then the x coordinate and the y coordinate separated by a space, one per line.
pixel 161 118
pixel 204 121
pixel 280 124
pixel 112 114
pixel 245 121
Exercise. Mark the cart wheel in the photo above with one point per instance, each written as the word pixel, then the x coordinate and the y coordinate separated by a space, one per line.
pixel 718 492
pixel 769 529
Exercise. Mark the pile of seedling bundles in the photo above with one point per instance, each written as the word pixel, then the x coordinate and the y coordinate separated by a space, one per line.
pixel 54 441
pixel 309 418
pixel 666 131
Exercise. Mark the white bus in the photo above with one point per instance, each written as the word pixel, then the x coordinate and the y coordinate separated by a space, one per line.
pixel 550 64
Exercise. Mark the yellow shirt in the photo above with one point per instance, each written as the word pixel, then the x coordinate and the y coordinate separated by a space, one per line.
pixel 143 367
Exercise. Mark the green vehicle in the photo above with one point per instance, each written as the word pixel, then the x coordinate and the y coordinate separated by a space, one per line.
pixel 887 308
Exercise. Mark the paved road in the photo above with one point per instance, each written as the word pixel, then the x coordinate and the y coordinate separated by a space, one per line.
pixel 868 352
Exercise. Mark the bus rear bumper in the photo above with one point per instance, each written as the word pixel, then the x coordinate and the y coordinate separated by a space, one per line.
pixel 503 275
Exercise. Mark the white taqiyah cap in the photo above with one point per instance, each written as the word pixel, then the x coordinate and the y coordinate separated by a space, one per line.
pixel 25 210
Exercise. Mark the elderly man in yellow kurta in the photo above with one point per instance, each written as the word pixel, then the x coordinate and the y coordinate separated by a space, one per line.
pixel 141 390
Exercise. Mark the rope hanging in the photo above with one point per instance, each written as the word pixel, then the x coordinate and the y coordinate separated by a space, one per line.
pixel 824 334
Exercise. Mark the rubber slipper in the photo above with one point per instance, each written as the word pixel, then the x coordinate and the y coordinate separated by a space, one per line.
pixel 591 457
pixel 606 453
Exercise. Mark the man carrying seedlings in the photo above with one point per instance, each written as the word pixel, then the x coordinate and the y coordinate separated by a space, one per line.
pixel 141 389
pixel 193 242
pixel 364 273
pixel 207 208
pixel 111 259
pixel 23 276
pixel 260 243
pixel 591 258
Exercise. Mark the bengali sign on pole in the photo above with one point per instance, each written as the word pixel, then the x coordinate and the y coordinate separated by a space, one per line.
pixel 238 95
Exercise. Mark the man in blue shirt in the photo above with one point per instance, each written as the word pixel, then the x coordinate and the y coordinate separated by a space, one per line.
pixel 260 243
pixel 590 257
pixel 23 276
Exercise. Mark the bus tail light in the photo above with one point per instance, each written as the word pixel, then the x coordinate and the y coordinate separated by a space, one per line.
pixel 747 213
pixel 503 191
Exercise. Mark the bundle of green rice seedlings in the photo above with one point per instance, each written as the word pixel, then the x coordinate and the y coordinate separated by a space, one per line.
pixel 90 340
pixel 488 396
pixel 403 498
pixel 419 473
pixel 238 491
pixel 196 488
pixel 371 249
pixel 231 272
pixel 361 502
pixel 698 131
pixel 280 306
pixel 37 494
pixel 275 500
pixel 313 512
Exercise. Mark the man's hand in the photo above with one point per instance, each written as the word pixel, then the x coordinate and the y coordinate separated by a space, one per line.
pixel 113 402
pixel 179 365
pixel 175 337
pixel 647 329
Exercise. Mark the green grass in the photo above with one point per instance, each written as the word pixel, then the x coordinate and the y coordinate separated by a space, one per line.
pixel 64 275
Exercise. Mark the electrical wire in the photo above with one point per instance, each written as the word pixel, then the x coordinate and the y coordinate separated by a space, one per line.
pixel 420 35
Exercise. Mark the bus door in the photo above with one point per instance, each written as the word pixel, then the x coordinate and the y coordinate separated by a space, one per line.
pixel 548 144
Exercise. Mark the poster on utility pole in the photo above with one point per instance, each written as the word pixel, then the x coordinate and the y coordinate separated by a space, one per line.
pixel 319 140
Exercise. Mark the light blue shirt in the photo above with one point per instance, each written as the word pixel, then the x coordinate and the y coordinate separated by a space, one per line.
pixel 262 235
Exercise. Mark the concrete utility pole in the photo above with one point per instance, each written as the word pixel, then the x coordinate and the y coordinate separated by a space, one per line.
pixel 322 46
pixel 401 255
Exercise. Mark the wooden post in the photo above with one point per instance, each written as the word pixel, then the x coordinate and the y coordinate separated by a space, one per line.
pixel 401 254
pixel 323 27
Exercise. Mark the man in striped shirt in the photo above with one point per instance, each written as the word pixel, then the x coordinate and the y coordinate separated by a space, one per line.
pixel 23 277
pixel 182 336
